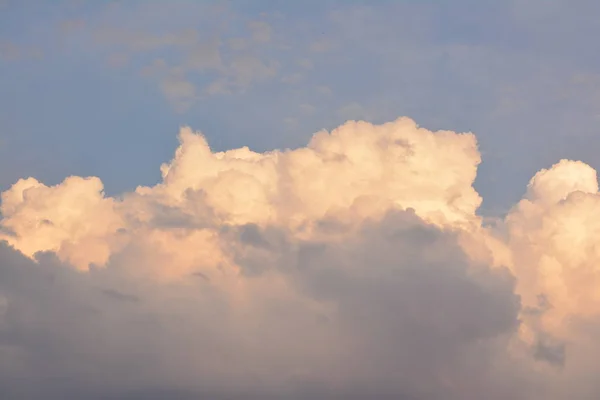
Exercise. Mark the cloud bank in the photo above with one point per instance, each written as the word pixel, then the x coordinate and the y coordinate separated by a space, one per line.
pixel 354 267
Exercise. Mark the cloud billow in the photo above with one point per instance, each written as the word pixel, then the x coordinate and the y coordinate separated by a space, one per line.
pixel 355 267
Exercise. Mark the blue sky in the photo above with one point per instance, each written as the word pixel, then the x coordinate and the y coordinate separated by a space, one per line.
pixel 101 88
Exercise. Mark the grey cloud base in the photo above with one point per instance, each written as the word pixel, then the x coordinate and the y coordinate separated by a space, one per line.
pixel 403 313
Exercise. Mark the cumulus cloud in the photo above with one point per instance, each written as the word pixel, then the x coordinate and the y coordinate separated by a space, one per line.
pixel 354 267
pixel 357 171
pixel 553 237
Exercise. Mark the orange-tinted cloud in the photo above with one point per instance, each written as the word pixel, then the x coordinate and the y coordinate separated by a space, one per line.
pixel 356 264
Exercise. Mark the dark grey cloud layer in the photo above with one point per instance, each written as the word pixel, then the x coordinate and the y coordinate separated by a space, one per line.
pixel 398 311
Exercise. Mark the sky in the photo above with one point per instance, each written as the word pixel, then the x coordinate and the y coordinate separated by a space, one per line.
pixel 299 200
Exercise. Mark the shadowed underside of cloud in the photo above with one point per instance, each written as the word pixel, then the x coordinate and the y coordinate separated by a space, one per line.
pixel 355 267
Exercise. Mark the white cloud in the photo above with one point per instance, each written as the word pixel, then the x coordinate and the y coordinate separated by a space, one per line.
pixel 354 266
pixel 553 240
pixel 359 170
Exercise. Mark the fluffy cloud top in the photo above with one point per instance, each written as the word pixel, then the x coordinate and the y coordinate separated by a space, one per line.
pixel 355 267
pixel 357 171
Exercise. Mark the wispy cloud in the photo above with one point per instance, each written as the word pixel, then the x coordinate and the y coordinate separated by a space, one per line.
pixel 231 70
pixel 10 51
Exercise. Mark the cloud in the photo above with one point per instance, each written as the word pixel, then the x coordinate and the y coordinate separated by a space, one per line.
pixel 204 56
pixel 197 65
pixel 174 81
pixel 321 46
pixel 261 31
pixel 231 74
pixel 354 267
pixel 117 60
pixel 324 90
pixel 293 79
pixel 72 25
pixel 179 91
pixel 306 63
pixel 246 70
pixel 143 41
pixel 307 109
pixel 10 51
pixel 554 216
pixel 300 319
pixel 359 170
pixel 353 111
pixel 553 240
pixel 54 218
